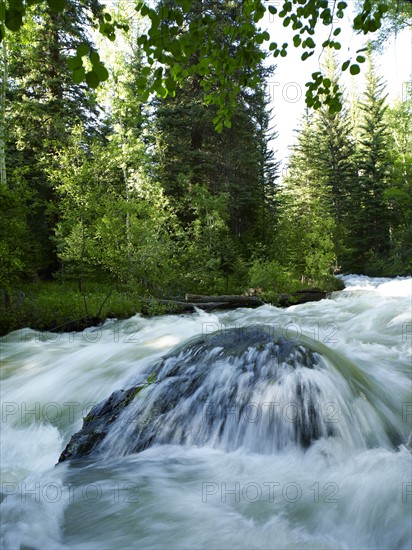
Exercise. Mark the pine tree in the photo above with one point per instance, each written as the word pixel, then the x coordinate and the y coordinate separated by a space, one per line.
pixel 399 193
pixel 43 105
pixel 307 226
pixel 236 163
pixel 372 222
pixel 335 160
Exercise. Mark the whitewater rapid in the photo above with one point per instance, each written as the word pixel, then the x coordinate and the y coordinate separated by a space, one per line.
pixel 340 492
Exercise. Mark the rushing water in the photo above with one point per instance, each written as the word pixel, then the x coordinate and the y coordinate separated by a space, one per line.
pixel 251 484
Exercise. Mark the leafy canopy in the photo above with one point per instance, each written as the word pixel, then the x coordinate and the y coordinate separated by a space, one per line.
pixel 179 45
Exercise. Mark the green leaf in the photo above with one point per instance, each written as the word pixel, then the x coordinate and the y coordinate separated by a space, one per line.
pixel 373 25
pixel 228 123
pixel 297 40
pixel 92 79
pixel 345 65
pixel 82 49
pixel 162 92
pixel 101 72
pixel 272 10
pixel 360 59
pixel 305 55
pixel 78 75
pixel 56 5
pixel 145 95
pixel 354 69
pixel 14 19
pixel 170 84
pixel 94 58
pixel 74 62
pixel 358 22
pixel 141 82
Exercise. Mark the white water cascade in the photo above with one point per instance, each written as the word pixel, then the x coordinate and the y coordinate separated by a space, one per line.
pixel 306 446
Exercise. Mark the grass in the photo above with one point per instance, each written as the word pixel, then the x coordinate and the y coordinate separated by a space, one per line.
pixel 48 305
pixel 60 305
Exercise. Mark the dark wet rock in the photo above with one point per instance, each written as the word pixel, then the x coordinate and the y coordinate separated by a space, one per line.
pixel 97 423
pixel 204 393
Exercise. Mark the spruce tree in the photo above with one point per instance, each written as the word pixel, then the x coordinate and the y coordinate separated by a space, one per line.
pixel 43 105
pixel 236 163
pixel 372 222
pixel 307 226
pixel 399 193
pixel 335 160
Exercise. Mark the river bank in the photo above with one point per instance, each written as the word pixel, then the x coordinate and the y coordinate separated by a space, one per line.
pixel 53 306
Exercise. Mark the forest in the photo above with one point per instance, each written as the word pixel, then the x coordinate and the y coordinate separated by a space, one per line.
pixel 110 195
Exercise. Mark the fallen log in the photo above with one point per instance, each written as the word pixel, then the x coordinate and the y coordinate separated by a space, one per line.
pixel 299 297
pixel 210 303
pixel 175 306
pixel 245 301
pixel 280 300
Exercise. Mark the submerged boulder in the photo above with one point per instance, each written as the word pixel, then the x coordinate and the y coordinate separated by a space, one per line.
pixel 241 387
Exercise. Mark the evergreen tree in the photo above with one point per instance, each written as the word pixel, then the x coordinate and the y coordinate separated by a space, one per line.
pixel 43 104
pixel 372 222
pixel 235 164
pixel 335 160
pixel 399 193
pixel 307 226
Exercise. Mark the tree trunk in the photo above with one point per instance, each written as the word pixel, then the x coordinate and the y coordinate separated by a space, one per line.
pixel 3 173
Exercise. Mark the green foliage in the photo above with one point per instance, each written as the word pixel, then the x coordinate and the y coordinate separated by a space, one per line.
pixel 45 306
pixel 151 202
pixel 205 247
pixel 398 194
pixel 269 276
pixel 110 225
pixel 346 203
pixel 151 379
pixel 14 238
pixel 373 218
pixel 306 225
pixel 192 54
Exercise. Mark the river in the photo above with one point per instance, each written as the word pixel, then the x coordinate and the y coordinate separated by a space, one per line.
pixel 351 488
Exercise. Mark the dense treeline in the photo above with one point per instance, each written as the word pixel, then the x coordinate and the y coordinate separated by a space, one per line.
pixel 101 186
pixel 348 192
